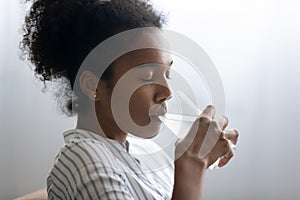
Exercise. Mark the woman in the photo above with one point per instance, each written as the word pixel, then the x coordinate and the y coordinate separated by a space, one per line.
pixel 95 162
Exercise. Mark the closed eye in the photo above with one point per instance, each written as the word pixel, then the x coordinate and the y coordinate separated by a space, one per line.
pixel 148 76
pixel 168 74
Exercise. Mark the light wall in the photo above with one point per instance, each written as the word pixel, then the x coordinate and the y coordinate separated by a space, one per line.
pixel 255 46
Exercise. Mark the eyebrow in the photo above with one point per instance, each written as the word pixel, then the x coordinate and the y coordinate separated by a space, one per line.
pixel 148 64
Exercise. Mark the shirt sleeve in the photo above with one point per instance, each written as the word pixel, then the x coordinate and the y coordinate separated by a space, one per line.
pixel 81 172
pixel 101 183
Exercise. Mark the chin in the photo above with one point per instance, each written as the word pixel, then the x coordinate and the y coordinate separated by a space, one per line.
pixel 151 135
pixel 151 132
pixel 148 130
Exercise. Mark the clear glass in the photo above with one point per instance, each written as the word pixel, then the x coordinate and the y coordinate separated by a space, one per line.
pixel 180 125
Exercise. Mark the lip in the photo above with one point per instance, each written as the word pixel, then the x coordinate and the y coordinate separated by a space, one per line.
pixel 159 113
pixel 156 119
pixel 158 110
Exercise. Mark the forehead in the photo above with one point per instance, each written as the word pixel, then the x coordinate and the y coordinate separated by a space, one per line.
pixel 139 57
pixel 147 56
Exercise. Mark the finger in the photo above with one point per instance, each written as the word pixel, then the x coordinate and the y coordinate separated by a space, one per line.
pixel 225 123
pixel 225 159
pixel 208 112
pixel 213 135
pixel 232 135
pixel 222 121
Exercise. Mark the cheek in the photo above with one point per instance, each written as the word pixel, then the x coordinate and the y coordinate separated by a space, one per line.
pixel 139 105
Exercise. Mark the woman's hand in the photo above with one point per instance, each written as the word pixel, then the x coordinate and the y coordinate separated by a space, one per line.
pixel 207 140
pixel 231 135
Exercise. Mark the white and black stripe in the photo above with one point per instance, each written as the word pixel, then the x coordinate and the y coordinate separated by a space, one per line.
pixel 93 167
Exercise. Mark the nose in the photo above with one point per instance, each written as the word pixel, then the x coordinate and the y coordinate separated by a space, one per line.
pixel 163 93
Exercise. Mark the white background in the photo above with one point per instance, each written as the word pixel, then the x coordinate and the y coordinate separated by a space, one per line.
pixel 255 46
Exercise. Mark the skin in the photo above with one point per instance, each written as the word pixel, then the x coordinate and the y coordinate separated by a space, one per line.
pixel 144 97
pixel 189 166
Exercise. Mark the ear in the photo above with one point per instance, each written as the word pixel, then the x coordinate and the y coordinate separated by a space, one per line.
pixel 89 85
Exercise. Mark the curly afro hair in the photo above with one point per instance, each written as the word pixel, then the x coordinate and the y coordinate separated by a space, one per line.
pixel 59 34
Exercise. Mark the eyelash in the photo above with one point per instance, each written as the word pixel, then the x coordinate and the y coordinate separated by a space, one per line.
pixel 168 76
pixel 147 80
pixel 150 80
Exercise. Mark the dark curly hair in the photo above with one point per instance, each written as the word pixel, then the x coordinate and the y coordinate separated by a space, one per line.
pixel 59 34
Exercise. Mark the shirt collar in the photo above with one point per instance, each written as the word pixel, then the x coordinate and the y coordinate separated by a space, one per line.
pixel 78 134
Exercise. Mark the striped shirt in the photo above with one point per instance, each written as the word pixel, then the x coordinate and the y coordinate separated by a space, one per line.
pixel 90 166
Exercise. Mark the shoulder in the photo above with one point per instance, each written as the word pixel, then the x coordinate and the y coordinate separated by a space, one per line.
pixel 83 152
pixel 85 168
pixel 79 163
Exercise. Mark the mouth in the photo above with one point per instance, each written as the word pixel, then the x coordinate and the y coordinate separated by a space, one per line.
pixel 157 110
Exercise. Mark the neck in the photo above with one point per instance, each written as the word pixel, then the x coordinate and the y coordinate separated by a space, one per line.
pixel 100 127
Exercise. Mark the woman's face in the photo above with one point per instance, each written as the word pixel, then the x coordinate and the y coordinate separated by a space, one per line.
pixel 136 94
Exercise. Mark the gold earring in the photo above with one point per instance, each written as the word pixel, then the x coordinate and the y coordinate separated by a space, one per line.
pixel 96 94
